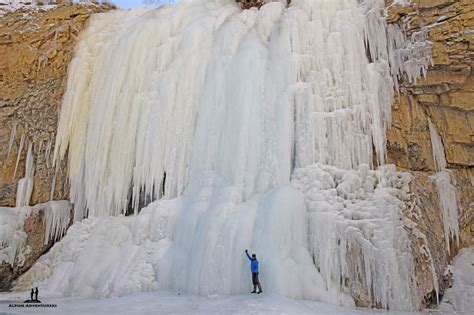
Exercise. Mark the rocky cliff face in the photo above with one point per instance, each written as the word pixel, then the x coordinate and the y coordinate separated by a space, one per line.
pixel 36 46
pixel 446 97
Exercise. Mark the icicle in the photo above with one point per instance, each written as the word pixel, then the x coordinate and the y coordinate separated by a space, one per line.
pixel 53 182
pixel 13 238
pixel 448 206
pixel 25 184
pixel 357 232
pixel 20 151
pixel 56 219
pixel 410 57
pixel 437 146
pixel 343 98
pixel 10 142
pixel 47 152
pixel 446 190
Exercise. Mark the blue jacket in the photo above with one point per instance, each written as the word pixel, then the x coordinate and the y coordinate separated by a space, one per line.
pixel 253 263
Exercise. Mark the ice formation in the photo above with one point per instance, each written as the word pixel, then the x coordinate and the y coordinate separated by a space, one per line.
pixel 25 184
pixel 356 232
pixel 437 147
pixel 460 297
pixel 246 74
pixel 56 216
pixel 12 235
pixel 448 205
pixel 446 190
pixel 244 129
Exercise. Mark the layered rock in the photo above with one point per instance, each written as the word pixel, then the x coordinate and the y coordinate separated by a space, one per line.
pixel 36 46
pixel 35 54
pixel 446 97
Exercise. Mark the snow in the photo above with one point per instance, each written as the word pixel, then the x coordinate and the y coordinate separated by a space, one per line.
pixel 12 5
pixel 460 297
pixel 195 243
pixel 172 302
pixel 125 252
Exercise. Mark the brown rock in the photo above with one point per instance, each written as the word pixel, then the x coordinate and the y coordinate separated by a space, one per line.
pixel 446 96
pixel 423 4
pixel 449 76
pixel 462 99
pixel 35 54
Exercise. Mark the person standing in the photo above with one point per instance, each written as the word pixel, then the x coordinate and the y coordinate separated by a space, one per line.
pixel 32 293
pixel 36 293
pixel 254 269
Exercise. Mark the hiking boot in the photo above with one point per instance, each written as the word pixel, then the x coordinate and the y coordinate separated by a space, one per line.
pixel 254 289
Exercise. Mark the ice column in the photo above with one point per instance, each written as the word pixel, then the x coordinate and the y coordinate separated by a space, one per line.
pixel 25 184
pixel 446 190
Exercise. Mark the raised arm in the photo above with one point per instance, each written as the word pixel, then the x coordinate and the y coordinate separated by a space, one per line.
pixel 248 256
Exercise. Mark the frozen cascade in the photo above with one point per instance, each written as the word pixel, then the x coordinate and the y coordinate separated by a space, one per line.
pixel 437 147
pixel 238 109
pixel 449 206
pixel 25 184
pixel 446 190
pixel 12 235
pixel 246 73
pixel 357 235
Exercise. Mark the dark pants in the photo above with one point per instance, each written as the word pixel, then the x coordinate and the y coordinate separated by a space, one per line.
pixel 256 283
pixel 255 280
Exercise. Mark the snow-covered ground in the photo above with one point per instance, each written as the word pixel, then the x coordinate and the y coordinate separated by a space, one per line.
pixel 170 302
pixel 458 300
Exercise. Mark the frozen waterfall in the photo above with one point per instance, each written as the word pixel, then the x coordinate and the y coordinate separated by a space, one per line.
pixel 215 96
pixel 266 125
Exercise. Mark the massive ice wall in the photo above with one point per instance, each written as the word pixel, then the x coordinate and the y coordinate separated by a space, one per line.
pixel 203 89
pixel 260 126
